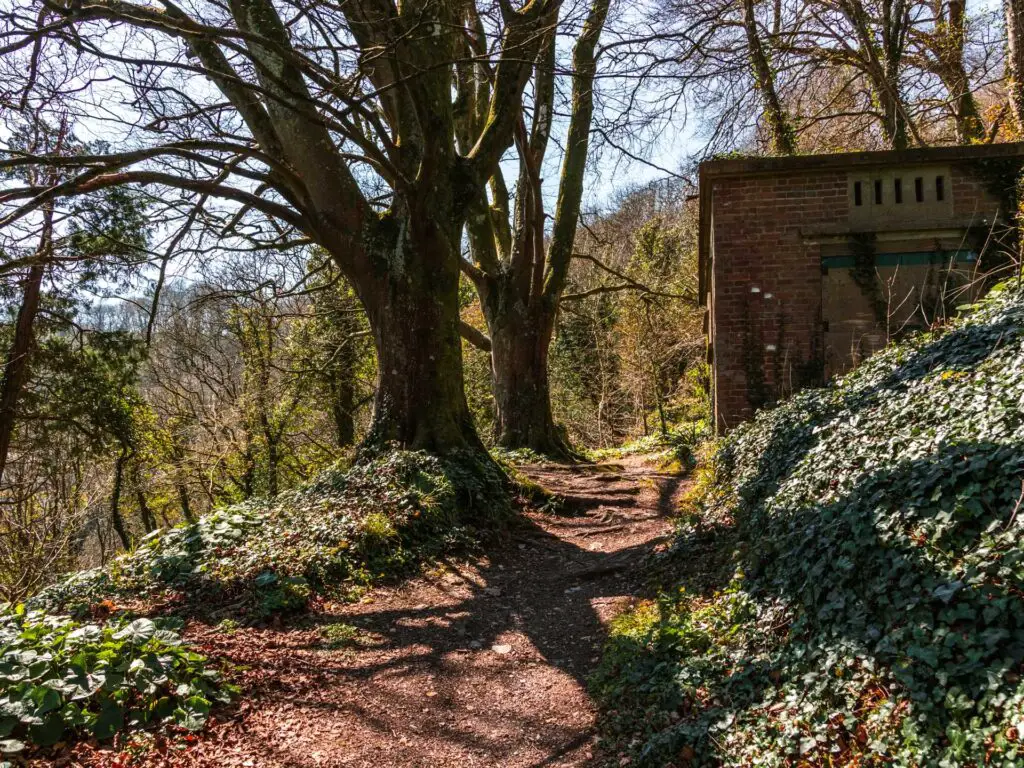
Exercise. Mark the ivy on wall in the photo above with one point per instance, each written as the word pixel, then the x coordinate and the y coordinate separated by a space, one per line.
pixel 863 248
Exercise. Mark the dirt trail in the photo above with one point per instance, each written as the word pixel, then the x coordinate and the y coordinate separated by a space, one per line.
pixel 475 665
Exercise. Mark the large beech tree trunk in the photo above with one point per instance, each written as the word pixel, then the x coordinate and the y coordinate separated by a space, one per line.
pixel 413 312
pixel 520 361
pixel 519 272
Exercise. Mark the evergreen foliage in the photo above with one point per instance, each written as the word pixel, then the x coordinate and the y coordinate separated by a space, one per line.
pixel 59 677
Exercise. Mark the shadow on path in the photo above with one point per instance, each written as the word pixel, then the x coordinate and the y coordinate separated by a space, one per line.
pixel 476 666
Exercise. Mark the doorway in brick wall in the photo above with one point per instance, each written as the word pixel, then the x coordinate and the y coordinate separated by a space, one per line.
pixel 870 298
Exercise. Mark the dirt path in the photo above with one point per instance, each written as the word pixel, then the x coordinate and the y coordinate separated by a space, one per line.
pixel 475 665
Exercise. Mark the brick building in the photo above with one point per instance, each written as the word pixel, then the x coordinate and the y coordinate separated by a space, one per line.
pixel 810 263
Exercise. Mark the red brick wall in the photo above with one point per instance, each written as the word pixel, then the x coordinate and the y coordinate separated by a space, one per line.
pixel 757 223
pixel 757 244
pixel 971 200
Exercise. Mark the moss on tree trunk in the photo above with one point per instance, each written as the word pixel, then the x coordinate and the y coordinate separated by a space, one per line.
pixel 413 311
pixel 521 392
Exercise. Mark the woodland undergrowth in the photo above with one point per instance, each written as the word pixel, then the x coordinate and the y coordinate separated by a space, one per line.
pixel 102 650
pixel 847 584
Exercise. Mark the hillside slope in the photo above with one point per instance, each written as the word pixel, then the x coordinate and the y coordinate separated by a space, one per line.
pixel 869 605
pixel 82 658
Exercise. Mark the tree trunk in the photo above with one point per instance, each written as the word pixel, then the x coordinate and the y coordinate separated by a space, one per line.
pixel 519 284
pixel 950 36
pixel 116 518
pixel 145 513
pixel 520 361
pixel 342 385
pixel 272 446
pixel 881 37
pixel 970 126
pixel 337 349
pixel 1014 10
pixel 273 459
pixel 343 405
pixel 780 131
pixel 183 500
pixel 894 124
pixel 420 403
pixel 247 482
pixel 894 21
pixel 178 456
pixel 16 368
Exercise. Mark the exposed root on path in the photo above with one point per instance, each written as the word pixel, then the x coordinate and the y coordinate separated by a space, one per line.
pixel 480 664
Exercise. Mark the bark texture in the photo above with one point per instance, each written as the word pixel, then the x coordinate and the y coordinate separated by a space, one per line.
pixel 116 518
pixel 947 45
pixel 881 40
pixel 414 317
pixel 1014 12
pixel 781 135
pixel 520 362
pixel 520 274
pixel 16 366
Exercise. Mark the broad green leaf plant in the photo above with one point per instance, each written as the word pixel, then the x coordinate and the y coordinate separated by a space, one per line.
pixel 60 678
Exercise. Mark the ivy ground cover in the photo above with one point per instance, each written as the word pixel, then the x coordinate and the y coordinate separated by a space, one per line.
pixel 67 672
pixel 60 678
pixel 870 610
pixel 342 531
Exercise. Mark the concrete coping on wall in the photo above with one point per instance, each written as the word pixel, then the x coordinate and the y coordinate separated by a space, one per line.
pixel 742 166
pixel 833 235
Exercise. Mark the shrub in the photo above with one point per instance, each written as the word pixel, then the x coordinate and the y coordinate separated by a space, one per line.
pixel 60 677
pixel 875 611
